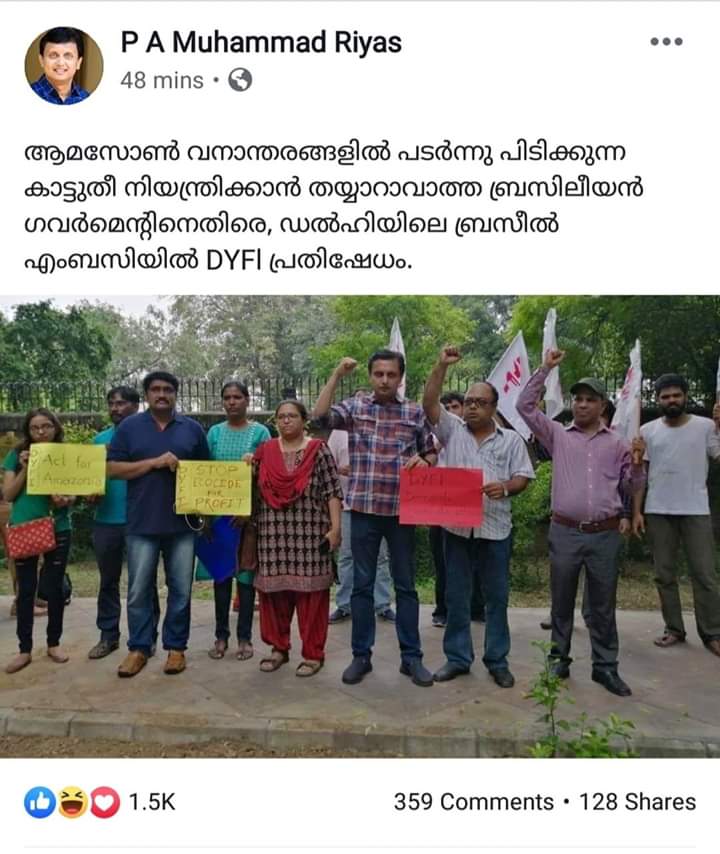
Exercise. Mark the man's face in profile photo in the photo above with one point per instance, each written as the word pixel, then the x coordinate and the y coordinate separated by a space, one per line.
pixel 61 52
pixel 60 62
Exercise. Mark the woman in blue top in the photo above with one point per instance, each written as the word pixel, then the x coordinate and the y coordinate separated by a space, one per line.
pixel 230 441
pixel 40 425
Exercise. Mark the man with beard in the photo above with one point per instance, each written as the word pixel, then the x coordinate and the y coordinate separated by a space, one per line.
pixel 591 464
pixel 109 531
pixel 677 510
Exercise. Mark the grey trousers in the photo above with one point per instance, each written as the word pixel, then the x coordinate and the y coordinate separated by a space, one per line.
pixel 570 550
pixel 695 532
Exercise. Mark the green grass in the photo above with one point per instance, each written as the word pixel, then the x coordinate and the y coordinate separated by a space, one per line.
pixel 531 586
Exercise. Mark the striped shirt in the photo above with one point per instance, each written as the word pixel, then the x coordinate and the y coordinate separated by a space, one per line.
pixel 591 471
pixel 382 437
pixel 44 88
pixel 501 456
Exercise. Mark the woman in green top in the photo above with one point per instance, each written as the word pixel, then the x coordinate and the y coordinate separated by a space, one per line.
pixel 40 425
pixel 235 439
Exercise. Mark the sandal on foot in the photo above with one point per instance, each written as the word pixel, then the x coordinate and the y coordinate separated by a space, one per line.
pixel 21 660
pixel 57 655
pixel 308 668
pixel 218 650
pixel 245 651
pixel 276 660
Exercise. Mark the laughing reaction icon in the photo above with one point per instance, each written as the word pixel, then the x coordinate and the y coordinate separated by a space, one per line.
pixel 72 802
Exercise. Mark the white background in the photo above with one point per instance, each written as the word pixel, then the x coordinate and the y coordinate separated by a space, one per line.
pixel 580 73
pixel 573 73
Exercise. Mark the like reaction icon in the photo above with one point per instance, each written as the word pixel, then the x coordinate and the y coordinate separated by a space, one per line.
pixel 104 802
pixel 39 802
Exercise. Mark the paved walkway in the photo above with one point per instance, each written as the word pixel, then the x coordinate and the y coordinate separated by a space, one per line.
pixel 675 704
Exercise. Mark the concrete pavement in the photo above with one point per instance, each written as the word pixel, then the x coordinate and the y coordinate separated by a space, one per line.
pixel 675 704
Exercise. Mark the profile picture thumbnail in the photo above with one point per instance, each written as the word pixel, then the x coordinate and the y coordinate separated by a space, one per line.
pixel 63 66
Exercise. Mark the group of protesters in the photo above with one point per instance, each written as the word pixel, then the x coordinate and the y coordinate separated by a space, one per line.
pixel 302 515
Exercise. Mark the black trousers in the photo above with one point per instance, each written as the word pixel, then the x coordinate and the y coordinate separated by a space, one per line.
pixel 110 550
pixel 570 550
pixel 223 597
pixel 54 565
pixel 477 602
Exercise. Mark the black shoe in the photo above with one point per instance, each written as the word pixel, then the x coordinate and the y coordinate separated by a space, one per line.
pixel 546 624
pixel 387 614
pixel 449 671
pixel 503 678
pixel 360 666
pixel 478 618
pixel 417 671
pixel 611 681
pixel 439 622
pixel 338 616
pixel 103 648
pixel 560 669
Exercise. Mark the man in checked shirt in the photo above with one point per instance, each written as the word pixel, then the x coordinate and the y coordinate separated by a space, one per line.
pixel 385 433
pixel 590 465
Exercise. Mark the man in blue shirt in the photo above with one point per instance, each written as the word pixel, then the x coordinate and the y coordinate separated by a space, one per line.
pixel 109 532
pixel 145 451
pixel 61 55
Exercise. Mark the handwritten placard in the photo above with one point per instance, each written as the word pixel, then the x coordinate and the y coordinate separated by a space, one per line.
pixel 213 488
pixel 448 497
pixel 59 469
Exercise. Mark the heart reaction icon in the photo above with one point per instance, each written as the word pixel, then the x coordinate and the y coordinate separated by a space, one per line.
pixel 105 802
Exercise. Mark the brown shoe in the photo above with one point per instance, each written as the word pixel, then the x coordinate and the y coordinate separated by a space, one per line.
pixel 714 646
pixel 668 639
pixel 175 662
pixel 133 664
pixel 22 659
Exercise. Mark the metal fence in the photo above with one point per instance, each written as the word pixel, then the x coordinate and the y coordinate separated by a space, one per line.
pixel 203 395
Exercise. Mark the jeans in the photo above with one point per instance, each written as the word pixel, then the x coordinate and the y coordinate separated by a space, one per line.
pixel 109 546
pixel 489 561
pixel 437 548
pixel 178 551
pixel 367 532
pixel 54 564
pixel 223 597
pixel 345 572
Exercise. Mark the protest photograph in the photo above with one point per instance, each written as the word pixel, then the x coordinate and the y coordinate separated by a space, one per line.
pixel 360 526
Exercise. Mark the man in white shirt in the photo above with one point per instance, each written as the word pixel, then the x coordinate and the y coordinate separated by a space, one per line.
pixel 477 442
pixel 677 510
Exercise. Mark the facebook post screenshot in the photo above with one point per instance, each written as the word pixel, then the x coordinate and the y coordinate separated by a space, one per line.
pixel 360 426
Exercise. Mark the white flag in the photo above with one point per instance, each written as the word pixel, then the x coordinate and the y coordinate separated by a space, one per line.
pixel 553 392
pixel 509 377
pixel 627 415
pixel 396 344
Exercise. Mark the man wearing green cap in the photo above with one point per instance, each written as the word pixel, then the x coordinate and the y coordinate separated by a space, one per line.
pixel 591 464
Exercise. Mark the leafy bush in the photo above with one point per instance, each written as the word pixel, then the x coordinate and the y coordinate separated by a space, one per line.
pixel 591 742
pixel 531 515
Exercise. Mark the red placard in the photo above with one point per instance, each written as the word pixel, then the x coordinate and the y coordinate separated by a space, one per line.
pixel 449 497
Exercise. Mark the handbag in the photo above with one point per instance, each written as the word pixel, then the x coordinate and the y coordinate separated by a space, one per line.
pixel 30 539
pixel 248 556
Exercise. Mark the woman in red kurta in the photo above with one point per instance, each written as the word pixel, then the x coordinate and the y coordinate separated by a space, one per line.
pixel 298 519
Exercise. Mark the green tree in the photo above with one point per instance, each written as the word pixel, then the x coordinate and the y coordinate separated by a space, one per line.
pixel 677 333
pixel 49 344
pixel 427 323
